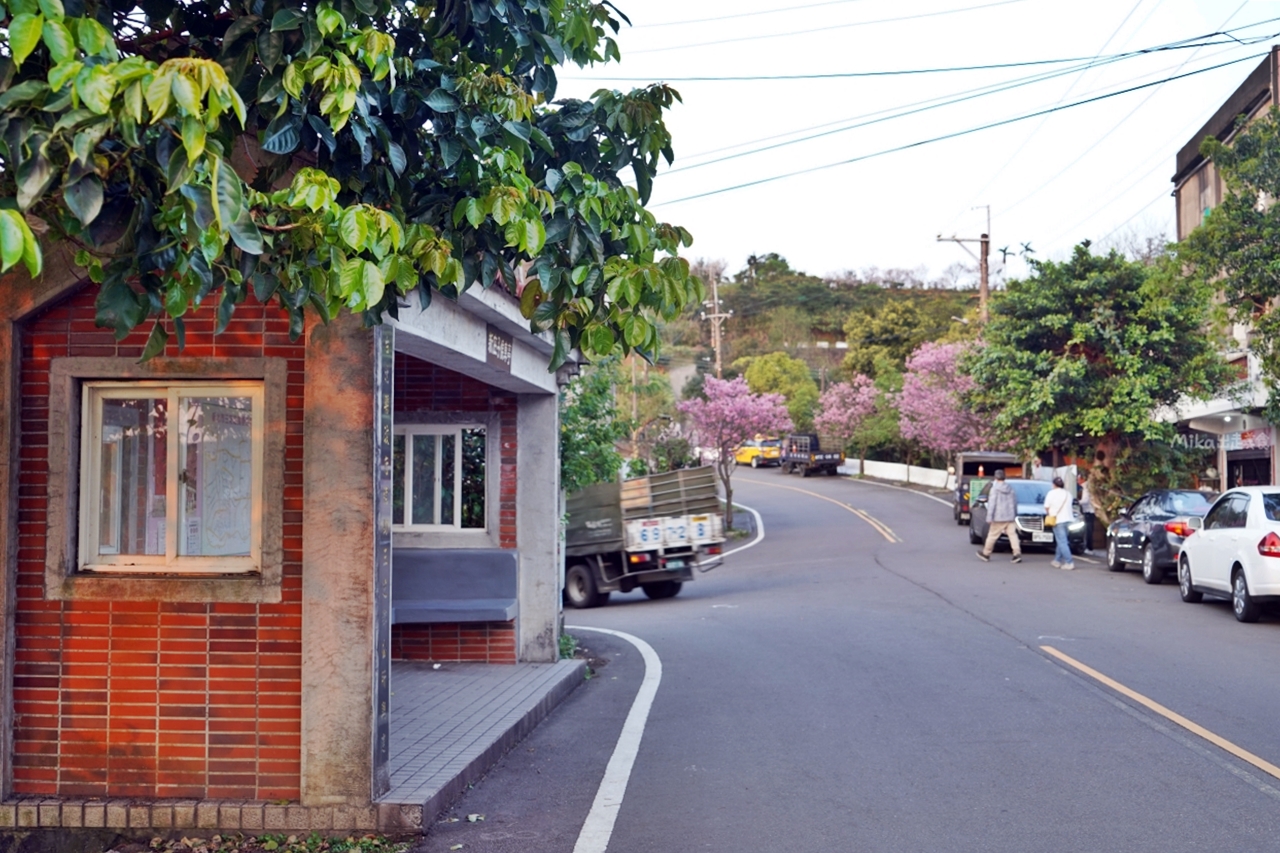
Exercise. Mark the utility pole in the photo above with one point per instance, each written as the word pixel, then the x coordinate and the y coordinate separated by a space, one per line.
pixel 983 259
pixel 717 316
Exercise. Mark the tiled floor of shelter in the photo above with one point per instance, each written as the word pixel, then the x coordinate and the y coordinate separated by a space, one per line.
pixel 449 725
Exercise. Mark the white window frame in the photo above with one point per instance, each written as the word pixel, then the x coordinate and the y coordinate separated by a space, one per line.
pixel 92 434
pixel 455 430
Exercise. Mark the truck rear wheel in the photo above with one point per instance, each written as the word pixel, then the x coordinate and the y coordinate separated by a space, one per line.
pixel 662 589
pixel 580 587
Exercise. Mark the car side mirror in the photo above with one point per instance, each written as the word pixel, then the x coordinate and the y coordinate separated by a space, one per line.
pixel 1195 522
pixel 1124 513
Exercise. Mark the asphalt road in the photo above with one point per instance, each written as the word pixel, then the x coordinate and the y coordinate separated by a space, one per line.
pixel 835 689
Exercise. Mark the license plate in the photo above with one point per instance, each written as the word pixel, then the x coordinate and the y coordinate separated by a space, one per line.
pixel 675 564
pixel 1041 537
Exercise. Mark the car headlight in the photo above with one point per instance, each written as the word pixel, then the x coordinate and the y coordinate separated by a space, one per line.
pixel 1076 525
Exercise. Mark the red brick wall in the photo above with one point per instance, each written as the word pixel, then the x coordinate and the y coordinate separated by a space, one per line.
pixel 147 698
pixel 472 642
pixel 424 387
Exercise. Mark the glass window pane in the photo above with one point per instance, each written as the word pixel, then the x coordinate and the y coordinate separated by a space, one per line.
pixel 473 478
pixel 424 479
pixel 448 476
pixel 215 480
pixel 397 480
pixel 131 515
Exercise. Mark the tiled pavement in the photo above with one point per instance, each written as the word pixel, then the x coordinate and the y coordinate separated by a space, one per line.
pixel 449 725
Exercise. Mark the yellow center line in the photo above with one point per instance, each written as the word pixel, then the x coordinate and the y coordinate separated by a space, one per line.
pixel 879 526
pixel 1173 717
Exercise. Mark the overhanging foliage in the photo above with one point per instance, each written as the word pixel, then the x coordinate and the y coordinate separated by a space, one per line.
pixel 337 155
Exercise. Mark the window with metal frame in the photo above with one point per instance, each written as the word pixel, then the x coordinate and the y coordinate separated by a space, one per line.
pixel 171 477
pixel 438 475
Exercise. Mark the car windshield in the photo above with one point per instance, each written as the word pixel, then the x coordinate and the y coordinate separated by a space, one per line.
pixel 1031 493
pixel 1271 503
pixel 1191 503
pixel 771 442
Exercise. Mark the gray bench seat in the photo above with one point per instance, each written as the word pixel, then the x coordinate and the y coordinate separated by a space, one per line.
pixel 454 585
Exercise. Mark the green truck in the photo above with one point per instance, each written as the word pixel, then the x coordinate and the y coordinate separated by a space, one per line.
pixel 649 532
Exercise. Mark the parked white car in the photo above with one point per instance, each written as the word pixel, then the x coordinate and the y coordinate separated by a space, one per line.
pixel 1234 551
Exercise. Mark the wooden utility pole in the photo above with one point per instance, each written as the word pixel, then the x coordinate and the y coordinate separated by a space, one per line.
pixel 983 259
pixel 716 316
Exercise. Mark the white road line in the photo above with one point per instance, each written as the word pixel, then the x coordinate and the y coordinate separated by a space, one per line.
pixel 598 827
pixel 759 531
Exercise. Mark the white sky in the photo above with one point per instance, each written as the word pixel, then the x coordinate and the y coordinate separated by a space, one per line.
pixel 1093 171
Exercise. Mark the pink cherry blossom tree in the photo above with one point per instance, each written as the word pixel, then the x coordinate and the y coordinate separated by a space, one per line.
pixel 730 415
pixel 844 406
pixel 931 406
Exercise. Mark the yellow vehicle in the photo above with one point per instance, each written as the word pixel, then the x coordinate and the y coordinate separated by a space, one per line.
pixel 759 451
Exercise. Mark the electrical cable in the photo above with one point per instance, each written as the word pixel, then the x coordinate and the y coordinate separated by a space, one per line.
pixel 743 15
pixel 959 133
pixel 828 28
pixel 914 109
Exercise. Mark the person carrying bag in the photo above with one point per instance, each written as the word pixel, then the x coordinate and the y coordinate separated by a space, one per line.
pixel 1058 514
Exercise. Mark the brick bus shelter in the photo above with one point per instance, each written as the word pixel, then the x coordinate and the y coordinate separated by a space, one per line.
pixel 210 559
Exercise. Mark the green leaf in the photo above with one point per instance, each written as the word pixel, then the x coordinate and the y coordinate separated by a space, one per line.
pixel 535 236
pixel 156 342
pixel 395 154
pixel 62 47
pixel 52 9
pixel 353 229
pixel 193 137
pixel 228 192
pixel 270 48
pixel 282 135
pixel 28 90
pixel 287 19
pixel 186 94
pixel 245 234
pixel 13 238
pixel 61 75
pixel 372 284
pixel 293 80
pixel 176 300
pixel 24 35
pixel 542 141
pixel 94 39
pixel 158 93
pixel 34 177
pixel 84 198
pixel 96 87
pixel 441 101
pixel 328 19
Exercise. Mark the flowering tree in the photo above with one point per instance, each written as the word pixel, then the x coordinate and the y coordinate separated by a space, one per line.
pixel 730 415
pixel 931 407
pixel 844 406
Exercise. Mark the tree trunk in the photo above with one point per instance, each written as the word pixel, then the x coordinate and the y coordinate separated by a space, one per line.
pixel 725 470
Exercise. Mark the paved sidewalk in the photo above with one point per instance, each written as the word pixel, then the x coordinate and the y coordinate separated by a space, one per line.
pixel 450 725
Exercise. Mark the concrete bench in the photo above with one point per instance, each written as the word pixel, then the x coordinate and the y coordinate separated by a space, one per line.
pixel 453 585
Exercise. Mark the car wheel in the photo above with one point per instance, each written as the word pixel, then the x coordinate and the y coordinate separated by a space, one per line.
pixel 755 461
pixel 1151 573
pixel 1114 563
pixel 1244 605
pixel 580 587
pixel 1185 589
pixel 662 589
pixel 974 538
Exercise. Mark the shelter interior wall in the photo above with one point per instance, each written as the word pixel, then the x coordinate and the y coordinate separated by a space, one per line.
pixel 422 387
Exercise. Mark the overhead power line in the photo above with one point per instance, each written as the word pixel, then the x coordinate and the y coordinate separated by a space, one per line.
pixel 828 28
pixel 938 103
pixel 720 18
pixel 965 132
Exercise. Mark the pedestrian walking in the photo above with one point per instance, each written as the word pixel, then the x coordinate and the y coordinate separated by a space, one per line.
pixel 1002 513
pixel 1086 509
pixel 1057 509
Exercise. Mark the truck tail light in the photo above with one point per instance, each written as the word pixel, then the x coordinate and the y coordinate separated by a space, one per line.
pixel 1270 545
pixel 641 558
pixel 1179 528
pixel 713 549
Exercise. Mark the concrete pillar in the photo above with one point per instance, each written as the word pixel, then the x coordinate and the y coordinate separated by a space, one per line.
pixel 538 526
pixel 338 573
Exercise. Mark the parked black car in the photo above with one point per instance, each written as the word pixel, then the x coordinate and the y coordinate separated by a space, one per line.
pixel 1151 531
pixel 1030 520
